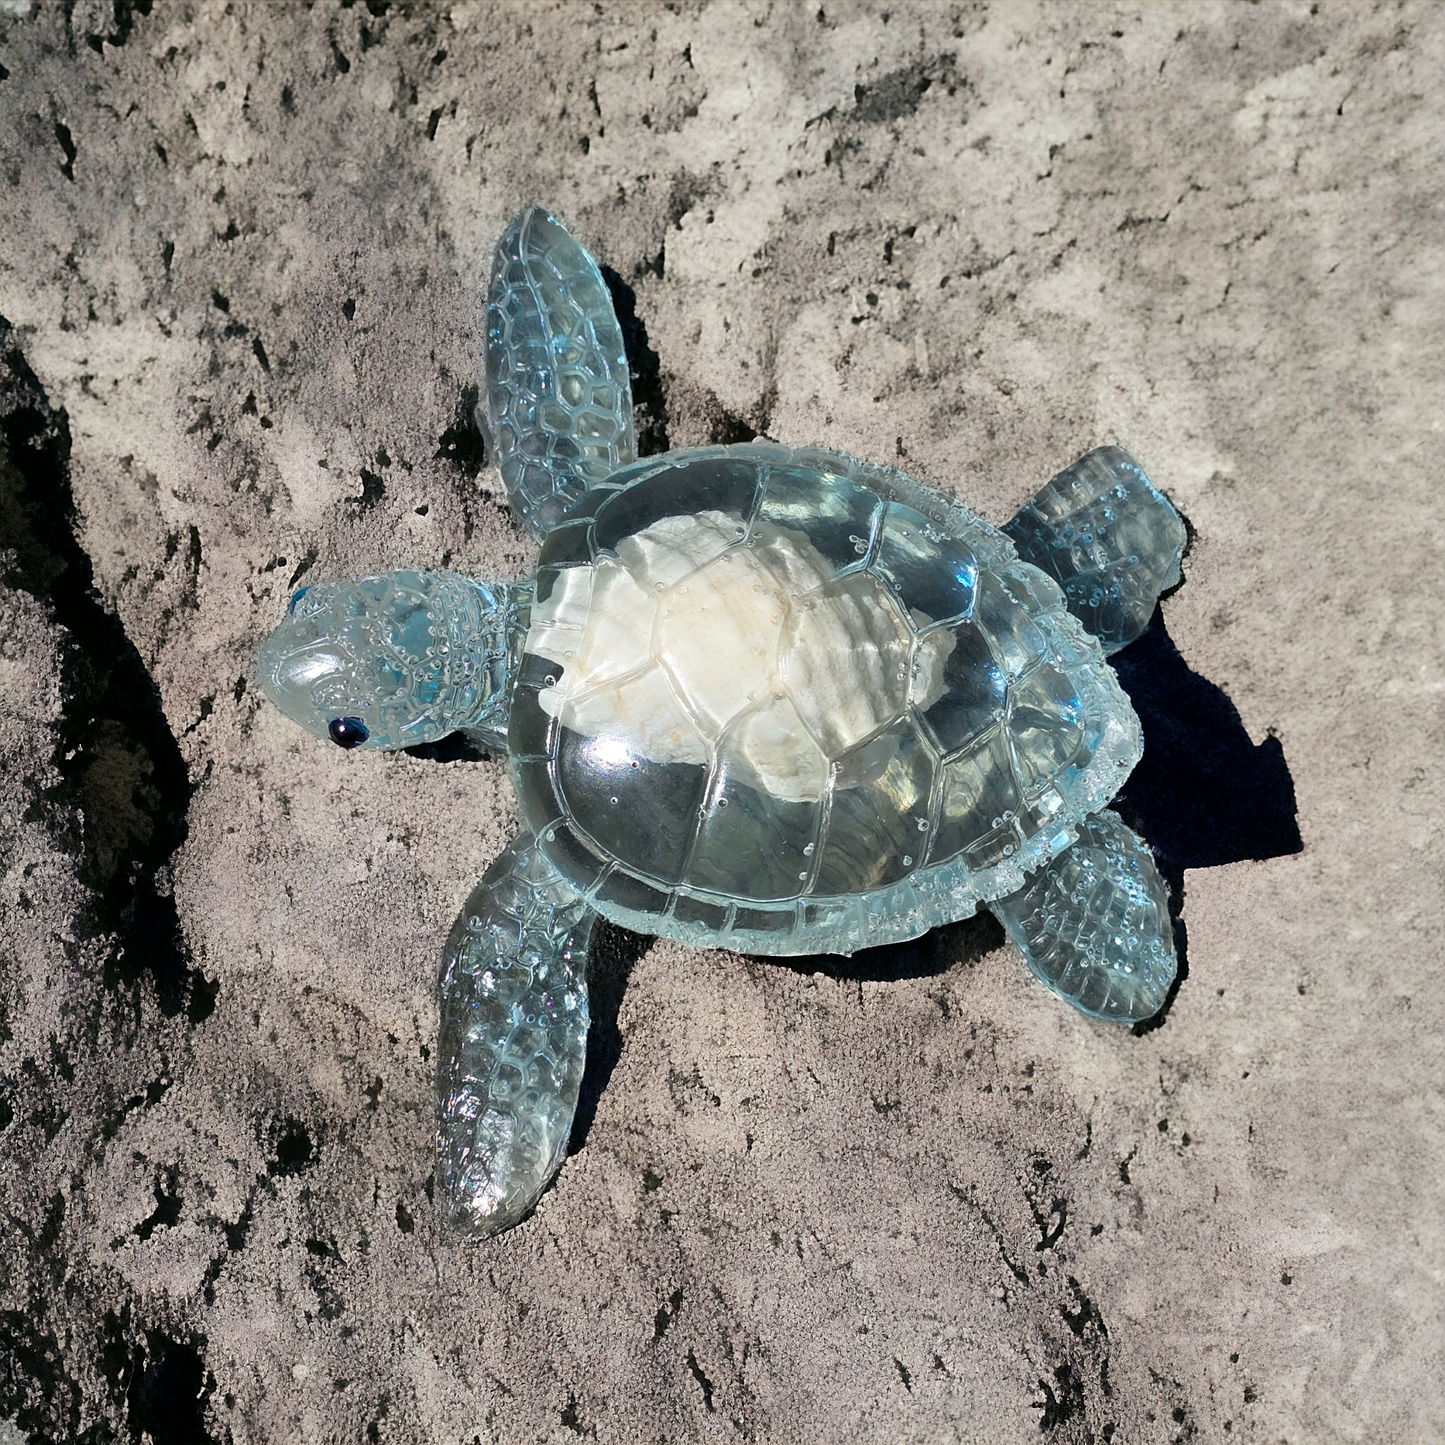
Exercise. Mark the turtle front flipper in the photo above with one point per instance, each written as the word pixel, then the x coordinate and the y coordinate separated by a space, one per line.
pixel 1109 538
pixel 513 993
pixel 1093 924
pixel 556 399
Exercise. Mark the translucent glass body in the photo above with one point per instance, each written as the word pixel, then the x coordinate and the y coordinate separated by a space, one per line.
pixel 1094 924
pixel 768 703
pixel 410 657
pixel 775 700
pixel 513 1040
pixel 1109 538
pixel 556 394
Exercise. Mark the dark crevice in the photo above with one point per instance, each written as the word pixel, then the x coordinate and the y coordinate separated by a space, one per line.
pixel 570 1419
pixel 123 14
pixel 649 405
pixel 35 1390
pixel 293 1151
pixel 303 567
pixel 1063 1400
pixel 454 748
pixel 1085 1316
pixel 124 792
pixel 462 442
pixel 169 1387
pixel 702 1380
pixel 159 1381
pixel 686 192
pixel 731 430
pixel 898 94
pixel 67 145
pixel 666 1314
pixel 1050 1222
pixel 373 490
pixel 167 1212
pixel 236 1233
pixel 936 952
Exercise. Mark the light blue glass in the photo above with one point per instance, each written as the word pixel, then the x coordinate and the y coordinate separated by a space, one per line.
pixel 1093 924
pixel 398 660
pixel 556 396
pixel 1108 537
pixel 774 700
pixel 513 990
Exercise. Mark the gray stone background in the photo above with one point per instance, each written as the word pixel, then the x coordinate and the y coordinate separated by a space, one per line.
pixel 910 1198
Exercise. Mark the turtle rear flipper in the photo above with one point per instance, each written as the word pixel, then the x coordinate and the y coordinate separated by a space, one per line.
pixel 556 398
pixel 1108 537
pixel 513 1040
pixel 1093 924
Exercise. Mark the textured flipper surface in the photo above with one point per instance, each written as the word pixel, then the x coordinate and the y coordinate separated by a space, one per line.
pixel 556 396
pixel 1113 542
pixel 513 1040
pixel 1093 924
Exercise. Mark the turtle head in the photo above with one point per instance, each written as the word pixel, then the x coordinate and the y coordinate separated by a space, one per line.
pixel 385 662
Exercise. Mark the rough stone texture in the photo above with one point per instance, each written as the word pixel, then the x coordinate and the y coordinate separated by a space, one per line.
pixel 910 1198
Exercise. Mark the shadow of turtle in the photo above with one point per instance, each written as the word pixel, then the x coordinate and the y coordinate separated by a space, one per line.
pixel 610 961
pixel 1204 794
pixel 936 952
pixel 616 951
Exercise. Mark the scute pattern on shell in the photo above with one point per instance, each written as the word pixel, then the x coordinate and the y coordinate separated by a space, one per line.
pixel 873 718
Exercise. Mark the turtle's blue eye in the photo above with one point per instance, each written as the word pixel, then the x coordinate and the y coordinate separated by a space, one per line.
pixel 347 732
pixel 295 598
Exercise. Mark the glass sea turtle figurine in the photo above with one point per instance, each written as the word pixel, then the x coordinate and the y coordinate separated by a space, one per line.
pixel 768 699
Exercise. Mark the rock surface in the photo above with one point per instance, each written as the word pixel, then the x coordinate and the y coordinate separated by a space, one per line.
pixel 910 1197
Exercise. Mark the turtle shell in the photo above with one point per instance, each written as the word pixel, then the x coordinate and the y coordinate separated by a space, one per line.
pixel 788 702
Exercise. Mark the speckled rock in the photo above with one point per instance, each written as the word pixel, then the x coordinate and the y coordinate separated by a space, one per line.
pixel 904 1198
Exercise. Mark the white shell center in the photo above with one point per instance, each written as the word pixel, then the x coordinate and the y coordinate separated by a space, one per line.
pixel 692 639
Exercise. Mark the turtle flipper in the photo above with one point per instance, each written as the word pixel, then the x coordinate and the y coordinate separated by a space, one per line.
pixel 1112 541
pixel 1093 924
pixel 513 1040
pixel 556 396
